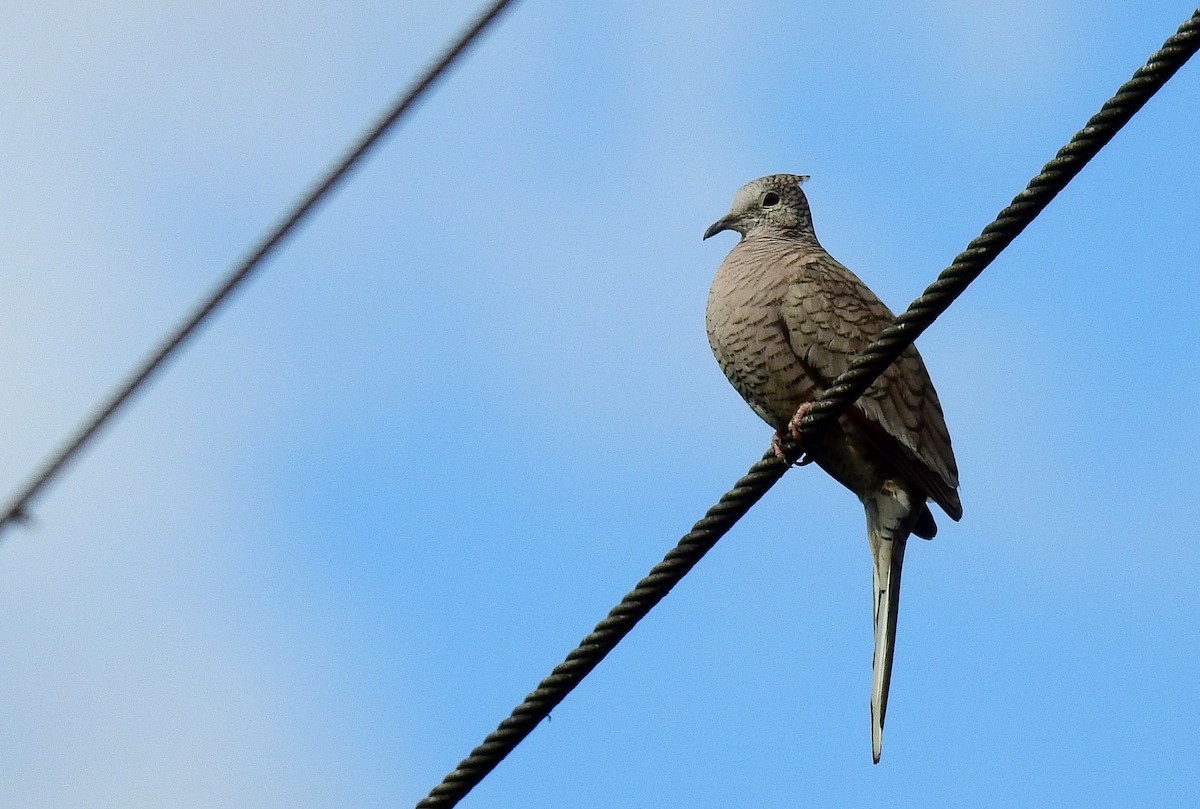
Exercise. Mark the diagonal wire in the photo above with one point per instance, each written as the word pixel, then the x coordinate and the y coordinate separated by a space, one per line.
pixel 1008 224
pixel 981 251
pixel 17 509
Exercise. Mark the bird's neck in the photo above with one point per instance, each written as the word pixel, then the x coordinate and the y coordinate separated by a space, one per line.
pixel 788 235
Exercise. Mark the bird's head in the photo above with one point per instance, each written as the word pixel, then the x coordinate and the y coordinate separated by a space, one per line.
pixel 771 203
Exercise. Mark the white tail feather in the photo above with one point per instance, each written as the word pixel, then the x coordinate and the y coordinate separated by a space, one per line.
pixel 889 519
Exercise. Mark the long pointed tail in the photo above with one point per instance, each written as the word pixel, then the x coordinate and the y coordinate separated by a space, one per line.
pixel 889 520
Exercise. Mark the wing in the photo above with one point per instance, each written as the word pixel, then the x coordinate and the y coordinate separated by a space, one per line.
pixel 830 317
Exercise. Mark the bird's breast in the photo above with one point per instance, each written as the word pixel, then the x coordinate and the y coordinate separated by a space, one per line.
pixel 749 340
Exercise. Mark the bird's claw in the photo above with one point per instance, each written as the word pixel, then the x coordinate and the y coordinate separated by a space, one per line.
pixel 792 435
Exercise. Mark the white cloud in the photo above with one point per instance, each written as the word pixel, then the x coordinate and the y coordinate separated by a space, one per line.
pixel 138 671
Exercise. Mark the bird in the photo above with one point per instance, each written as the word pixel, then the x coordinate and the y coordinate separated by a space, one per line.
pixel 785 319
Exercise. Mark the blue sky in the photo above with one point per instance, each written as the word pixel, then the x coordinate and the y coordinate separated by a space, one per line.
pixel 472 403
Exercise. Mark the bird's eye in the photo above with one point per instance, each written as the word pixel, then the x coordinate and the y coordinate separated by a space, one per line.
pixel 770 199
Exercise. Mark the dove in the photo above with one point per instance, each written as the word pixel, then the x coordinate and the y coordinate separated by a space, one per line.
pixel 784 319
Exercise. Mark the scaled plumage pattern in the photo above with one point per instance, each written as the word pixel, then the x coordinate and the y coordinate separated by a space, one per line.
pixel 784 320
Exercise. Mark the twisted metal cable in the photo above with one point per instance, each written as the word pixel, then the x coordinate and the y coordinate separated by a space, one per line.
pixel 17 511
pixel 846 389
pixel 716 522
pixel 983 249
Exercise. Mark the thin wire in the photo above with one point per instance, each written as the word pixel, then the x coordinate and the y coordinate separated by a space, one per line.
pixel 766 472
pixel 17 510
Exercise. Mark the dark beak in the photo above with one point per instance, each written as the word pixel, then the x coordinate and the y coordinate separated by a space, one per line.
pixel 718 226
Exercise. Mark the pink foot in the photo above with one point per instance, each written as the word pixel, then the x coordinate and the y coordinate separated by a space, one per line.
pixel 777 445
pixel 792 435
